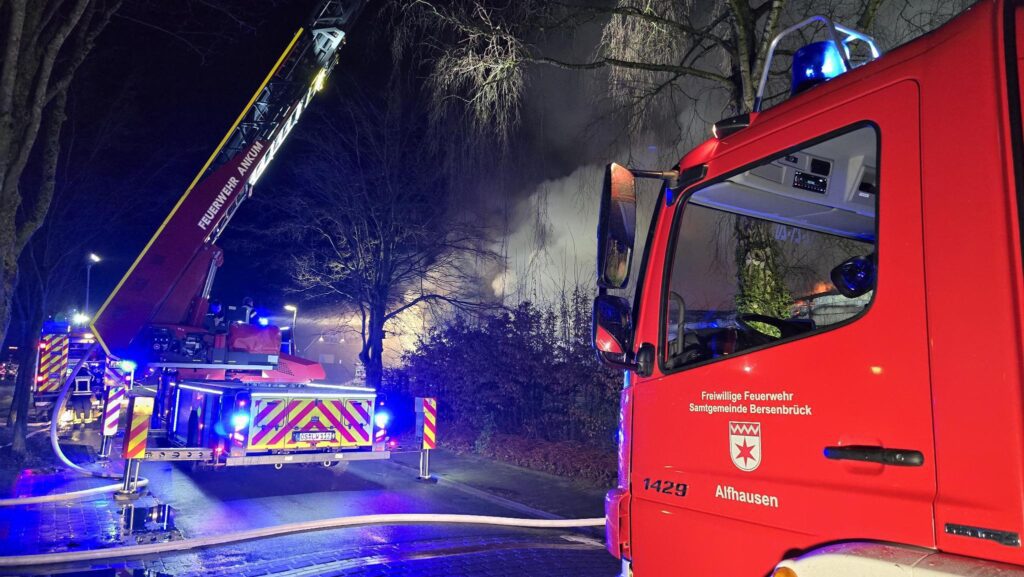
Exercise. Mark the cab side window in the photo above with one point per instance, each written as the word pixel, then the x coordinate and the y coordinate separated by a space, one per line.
pixel 774 253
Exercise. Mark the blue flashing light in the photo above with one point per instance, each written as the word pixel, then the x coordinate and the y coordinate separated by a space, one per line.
pixel 239 421
pixel 381 419
pixel 263 321
pixel 854 277
pixel 815 63
pixel 128 366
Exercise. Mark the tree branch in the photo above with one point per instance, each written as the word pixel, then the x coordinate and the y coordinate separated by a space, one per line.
pixel 648 66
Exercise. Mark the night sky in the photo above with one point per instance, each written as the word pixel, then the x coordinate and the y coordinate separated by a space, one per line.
pixel 182 104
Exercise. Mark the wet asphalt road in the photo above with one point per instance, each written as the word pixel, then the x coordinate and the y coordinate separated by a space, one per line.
pixel 209 503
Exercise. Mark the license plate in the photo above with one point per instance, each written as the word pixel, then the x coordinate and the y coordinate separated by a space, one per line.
pixel 315 436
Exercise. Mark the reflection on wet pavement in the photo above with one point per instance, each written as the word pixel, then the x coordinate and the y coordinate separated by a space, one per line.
pixel 152 524
pixel 79 525
pixel 211 503
pixel 106 573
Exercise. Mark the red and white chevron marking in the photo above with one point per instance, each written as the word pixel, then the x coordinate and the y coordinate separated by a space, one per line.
pixel 115 400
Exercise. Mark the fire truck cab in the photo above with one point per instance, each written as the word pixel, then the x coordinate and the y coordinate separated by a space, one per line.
pixel 824 354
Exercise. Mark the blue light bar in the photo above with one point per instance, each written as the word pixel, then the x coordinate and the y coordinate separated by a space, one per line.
pixel 239 421
pixel 815 63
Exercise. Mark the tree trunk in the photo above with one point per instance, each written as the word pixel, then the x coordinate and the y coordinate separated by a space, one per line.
pixel 27 359
pixel 18 234
pixel 9 282
pixel 372 355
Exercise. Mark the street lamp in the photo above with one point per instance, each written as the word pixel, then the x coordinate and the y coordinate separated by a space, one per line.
pixel 295 313
pixel 92 259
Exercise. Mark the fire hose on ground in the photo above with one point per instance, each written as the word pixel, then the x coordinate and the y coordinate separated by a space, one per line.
pixel 290 528
pixel 238 536
pixel 58 406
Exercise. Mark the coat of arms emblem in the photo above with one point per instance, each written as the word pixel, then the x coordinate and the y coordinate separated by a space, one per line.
pixel 745 445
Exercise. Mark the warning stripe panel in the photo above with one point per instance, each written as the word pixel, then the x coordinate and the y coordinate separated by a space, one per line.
pixel 360 426
pixel 298 415
pixel 113 377
pixel 53 364
pixel 332 413
pixel 141 411
pixel 47 362
pixel 429 423
pixel 49 386
pixel 279 424
pixel 271 416
pixel 116 397
pixel 361 408
pixel 266 410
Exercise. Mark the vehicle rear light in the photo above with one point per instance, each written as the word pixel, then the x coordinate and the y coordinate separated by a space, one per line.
pixel 784 572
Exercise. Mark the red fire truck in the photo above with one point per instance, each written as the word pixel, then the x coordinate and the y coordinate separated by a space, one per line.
pixel 825 355
pixel 224 389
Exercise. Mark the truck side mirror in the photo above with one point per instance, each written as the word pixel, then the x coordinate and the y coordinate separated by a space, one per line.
pixel 613 331
pixel 616 227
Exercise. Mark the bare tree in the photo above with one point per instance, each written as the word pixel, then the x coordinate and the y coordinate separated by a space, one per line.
pixel 659 56
pixel 43 44
pixel 372 215
pixel 85 206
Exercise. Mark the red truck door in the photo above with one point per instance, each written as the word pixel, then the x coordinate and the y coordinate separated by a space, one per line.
pixel 748 438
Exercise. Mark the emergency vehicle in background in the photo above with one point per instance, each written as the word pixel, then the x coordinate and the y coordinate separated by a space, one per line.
pixel 61 346
pixel 225 387
pixel 825 360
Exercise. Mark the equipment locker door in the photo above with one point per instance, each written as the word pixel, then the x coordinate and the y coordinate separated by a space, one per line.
pixel 724 480
pixel 268 428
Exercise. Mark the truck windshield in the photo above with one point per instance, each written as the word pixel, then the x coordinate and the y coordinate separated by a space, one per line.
pixel 754 256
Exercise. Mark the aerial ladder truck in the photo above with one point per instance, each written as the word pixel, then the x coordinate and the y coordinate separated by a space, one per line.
pixel 227 391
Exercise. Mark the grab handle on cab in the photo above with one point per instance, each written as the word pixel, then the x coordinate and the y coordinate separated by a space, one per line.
pixel 871 454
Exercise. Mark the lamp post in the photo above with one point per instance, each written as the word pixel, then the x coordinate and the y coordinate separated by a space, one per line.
pixel 295 313
pixel 92 259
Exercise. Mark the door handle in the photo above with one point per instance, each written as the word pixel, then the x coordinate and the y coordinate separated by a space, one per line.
pixel 871 454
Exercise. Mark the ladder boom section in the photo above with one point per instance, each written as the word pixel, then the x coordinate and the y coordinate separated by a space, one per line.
pixel 161 285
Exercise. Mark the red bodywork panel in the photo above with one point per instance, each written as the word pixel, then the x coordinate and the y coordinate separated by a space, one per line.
pixel 934 365
pixel 289 370
pixel 253 339
pixel 166 279
pixel 185 297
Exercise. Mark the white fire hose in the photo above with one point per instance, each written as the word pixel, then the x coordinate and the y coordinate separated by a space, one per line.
pixel 58 406
pixel 246 535
pixel 288 528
